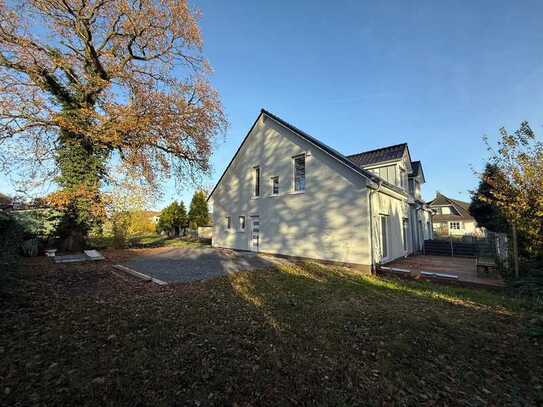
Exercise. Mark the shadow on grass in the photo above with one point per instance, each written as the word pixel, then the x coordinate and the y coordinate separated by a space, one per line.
pixel 291 334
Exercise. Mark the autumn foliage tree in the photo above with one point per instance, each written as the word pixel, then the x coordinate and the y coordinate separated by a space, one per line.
pixel 85 82
pixel 518 190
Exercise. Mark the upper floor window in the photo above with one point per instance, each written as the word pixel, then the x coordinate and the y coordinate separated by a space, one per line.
pixel 456 225
pixel 275 185
pixel 242 223
pixel 256 181
pixel 403 178
pixel 411 186
pixel 299 173
pixel 228 222
pixel 388 173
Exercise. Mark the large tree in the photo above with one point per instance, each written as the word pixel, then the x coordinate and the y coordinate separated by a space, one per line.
pixel 518 192
pixel 85 82
pixel 173 218
pixel 482 207
pixel 198 212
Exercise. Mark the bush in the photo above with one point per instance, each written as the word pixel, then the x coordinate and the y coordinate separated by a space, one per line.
pixel 38 223
pixel 11 238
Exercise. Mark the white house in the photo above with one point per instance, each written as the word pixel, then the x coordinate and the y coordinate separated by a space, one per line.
pixel 286 193
pixel 451 217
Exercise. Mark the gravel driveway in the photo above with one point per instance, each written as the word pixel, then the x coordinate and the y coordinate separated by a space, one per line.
pixel 193 264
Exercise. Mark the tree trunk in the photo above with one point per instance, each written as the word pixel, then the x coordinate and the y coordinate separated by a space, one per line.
pixel 82 169
pixel 515 250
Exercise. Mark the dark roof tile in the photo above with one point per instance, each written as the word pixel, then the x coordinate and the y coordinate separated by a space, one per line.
pixel 379 155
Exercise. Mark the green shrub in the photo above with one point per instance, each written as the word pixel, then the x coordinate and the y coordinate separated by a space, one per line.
pixel 11 238
pixel 38 223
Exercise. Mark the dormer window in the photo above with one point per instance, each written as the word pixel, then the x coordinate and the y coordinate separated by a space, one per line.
pixel 403 178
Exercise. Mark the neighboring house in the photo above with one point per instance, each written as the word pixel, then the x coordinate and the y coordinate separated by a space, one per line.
pixel 153 216
pixel 451 217
pixel 286 193
pixel 5 202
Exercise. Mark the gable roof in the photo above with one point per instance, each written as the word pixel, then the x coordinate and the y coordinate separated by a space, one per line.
pixel 327 149
pixel 415 165
pixel 416 170
pixel 378 155
pixel 461 206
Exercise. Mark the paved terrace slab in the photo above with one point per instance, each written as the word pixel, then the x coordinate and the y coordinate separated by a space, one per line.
pixel 464 268
pixel 181 265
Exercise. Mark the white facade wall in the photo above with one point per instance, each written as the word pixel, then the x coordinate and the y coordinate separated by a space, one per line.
pixel 328 221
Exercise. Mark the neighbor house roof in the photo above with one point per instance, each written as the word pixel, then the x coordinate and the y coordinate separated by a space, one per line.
pixel 389 153
pixel 329 150
pixel 461 206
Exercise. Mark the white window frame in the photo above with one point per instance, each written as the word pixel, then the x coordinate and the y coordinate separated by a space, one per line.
pixel 272 182
pixel 455 225
pixel 241 223
pixel 299 191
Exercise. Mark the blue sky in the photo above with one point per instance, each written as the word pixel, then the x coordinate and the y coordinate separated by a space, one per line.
pixel 360 75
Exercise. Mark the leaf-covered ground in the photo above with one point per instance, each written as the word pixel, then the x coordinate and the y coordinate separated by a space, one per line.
pixel 298 335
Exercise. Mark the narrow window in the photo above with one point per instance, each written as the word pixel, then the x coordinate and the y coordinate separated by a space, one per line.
pixel 228 222
pixel 242 223
pixel 402 178
pixel 257 181
pixel 299 173
pixel 404 229
pixel 275 185
pixel 384 237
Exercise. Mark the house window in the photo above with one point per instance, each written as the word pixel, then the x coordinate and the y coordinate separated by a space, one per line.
pixel 384 236
pixel 299 173
pixel 402 178
pixel 228 223
pixel 404 231
pixel 411 186
pixel 275 185
pixel 428 230
pixel 256 176
pixel 242 223
pixel 456 225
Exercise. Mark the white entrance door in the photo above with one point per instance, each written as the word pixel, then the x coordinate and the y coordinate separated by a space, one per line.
pixel 255 233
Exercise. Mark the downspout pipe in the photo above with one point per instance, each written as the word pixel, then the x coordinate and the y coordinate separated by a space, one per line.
pixel 373 189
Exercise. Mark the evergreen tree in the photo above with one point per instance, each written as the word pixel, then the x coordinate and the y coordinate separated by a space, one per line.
pixel 482 207
pixel 198 213
pixel 173 218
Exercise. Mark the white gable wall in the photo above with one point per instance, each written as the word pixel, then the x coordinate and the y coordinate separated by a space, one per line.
pixel 328 221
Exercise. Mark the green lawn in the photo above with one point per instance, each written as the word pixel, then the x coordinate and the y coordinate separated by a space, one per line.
pixel 305 335
pixel 151 240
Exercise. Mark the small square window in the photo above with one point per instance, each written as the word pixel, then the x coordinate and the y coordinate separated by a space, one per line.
pixel 228 222
pixel 242 223
pixel 275 185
